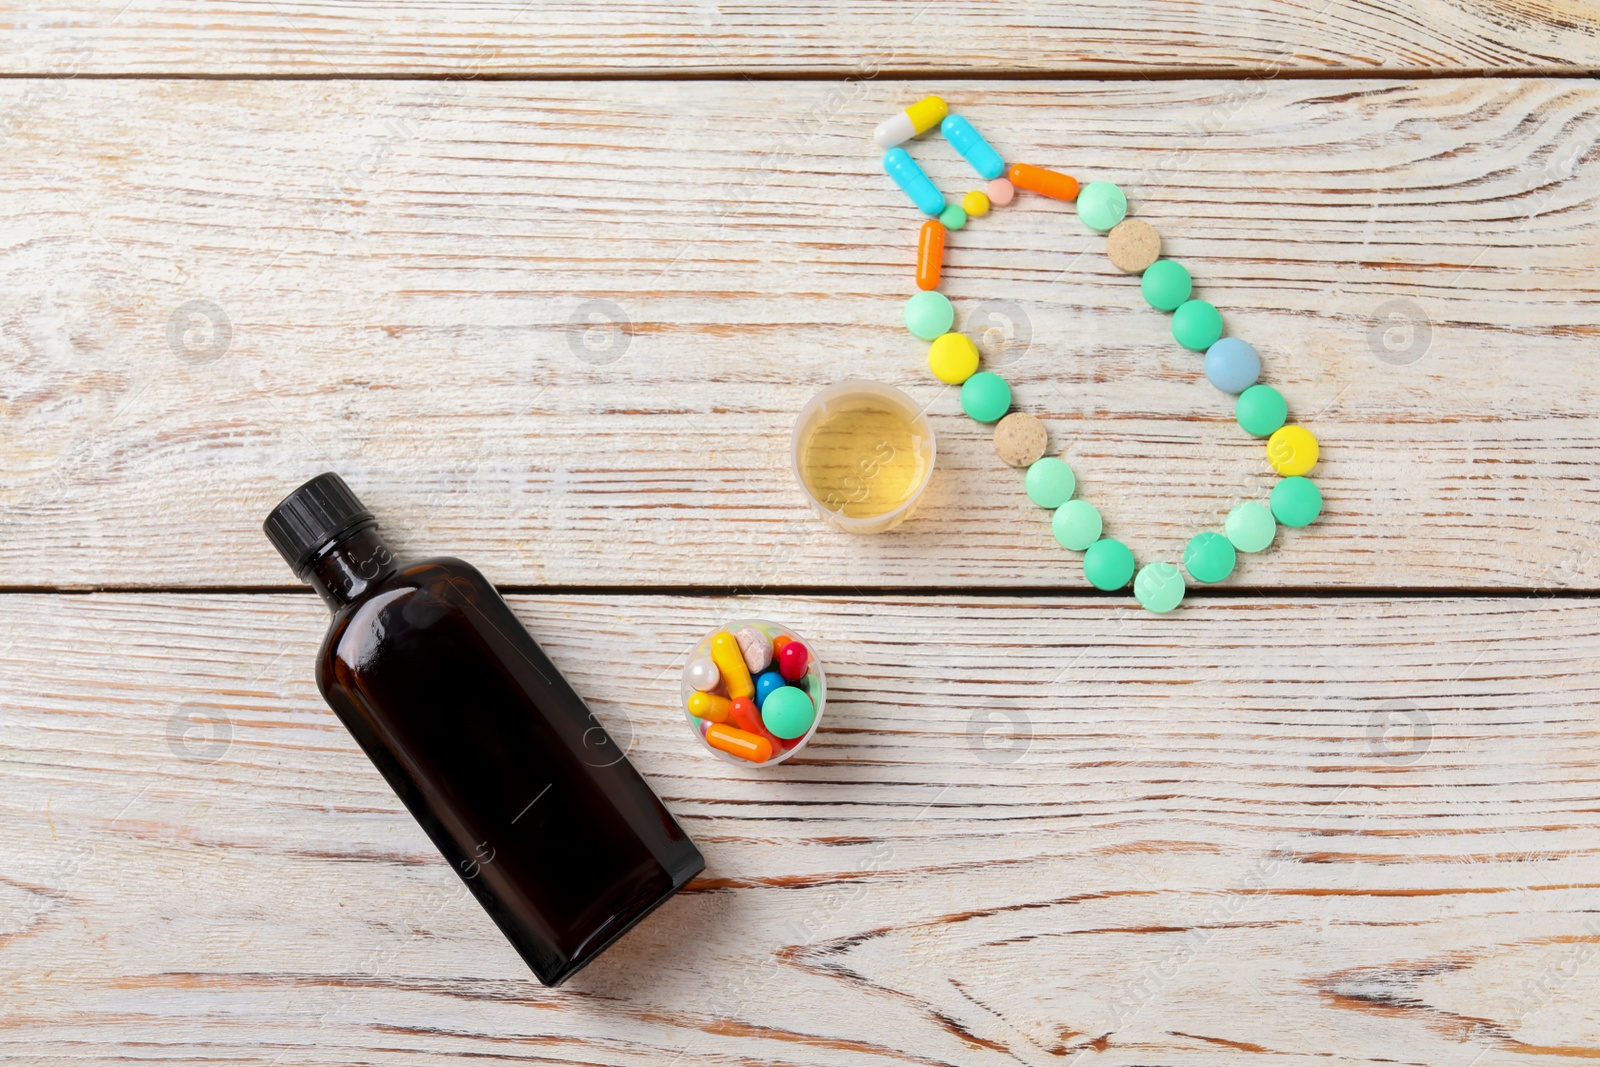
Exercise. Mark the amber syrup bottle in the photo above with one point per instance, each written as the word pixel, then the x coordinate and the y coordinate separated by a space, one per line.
pixel 513 778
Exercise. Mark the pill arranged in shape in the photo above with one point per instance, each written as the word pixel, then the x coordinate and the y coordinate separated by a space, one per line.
pixel 929 314
pixel 1049 183
pixel 1101 205
pixel 1232 365
pixel 1133 245
pixel 953 358
pixel 919 118
pixel 1019 438
pixel 930 255
pixel 965 138
pixel 985 397
pixel 898 164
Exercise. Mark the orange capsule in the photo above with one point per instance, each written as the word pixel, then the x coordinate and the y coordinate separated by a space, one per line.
pixel 709 706
pixel 739 743
pixel 930 254
pixel 1044 182
pixel 778 643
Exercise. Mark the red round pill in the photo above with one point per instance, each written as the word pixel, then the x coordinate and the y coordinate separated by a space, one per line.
pixel 792 661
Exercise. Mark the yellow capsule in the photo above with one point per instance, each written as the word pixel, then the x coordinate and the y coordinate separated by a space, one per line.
pixel 1292 450
pixel 976 203
pixel 709 706
pixel 920 117
pixel 729 658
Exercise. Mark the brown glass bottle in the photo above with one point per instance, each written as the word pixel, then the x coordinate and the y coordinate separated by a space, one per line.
pixel 516 782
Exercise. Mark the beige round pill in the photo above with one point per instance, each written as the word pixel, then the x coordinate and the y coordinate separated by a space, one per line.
pixel 1133 245
pixel 1020 439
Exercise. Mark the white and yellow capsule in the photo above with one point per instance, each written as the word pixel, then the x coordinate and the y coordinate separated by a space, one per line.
pixel 920 117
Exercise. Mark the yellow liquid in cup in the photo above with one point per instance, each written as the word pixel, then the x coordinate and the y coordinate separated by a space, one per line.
pixel 862 460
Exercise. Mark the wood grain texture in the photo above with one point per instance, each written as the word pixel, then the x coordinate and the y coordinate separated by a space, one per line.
pixel 401 276
pixel 559 40
pixel 1030 831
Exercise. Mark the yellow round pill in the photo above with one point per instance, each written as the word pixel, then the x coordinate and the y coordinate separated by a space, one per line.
pixel 1291 450
pixel 976 203
pixel 953 358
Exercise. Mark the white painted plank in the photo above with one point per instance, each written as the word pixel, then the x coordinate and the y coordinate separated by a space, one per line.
pixel 401 267
pixel 1351 831
pixel 491 38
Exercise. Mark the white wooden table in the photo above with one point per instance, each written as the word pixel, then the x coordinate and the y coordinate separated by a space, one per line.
pixel 1343 809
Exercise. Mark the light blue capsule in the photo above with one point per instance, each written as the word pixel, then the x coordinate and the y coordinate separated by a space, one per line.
pixel 898 164
pixel 1232 365
pixel 973 148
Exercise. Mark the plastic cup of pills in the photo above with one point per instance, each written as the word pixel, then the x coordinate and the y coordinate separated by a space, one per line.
pixel 736 729
pixel 863 452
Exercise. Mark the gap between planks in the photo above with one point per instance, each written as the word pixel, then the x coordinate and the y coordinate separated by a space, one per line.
pixel 887 591
pixel 1169 74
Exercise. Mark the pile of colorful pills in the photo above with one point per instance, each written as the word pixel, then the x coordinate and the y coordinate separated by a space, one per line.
pixel 753 692
pixel 1134 247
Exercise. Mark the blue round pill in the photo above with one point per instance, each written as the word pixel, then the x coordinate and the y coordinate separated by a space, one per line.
pixel 766 683
pixel 1232 365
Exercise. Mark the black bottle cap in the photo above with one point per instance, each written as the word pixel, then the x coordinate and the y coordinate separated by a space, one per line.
pixel 313 515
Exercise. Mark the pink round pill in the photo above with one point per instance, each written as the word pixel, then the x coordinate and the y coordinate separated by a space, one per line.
pixel 1001 192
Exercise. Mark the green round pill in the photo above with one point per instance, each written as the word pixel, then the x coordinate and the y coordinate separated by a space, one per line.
pixel 985 397
pixel 1159 587
pixel 1209 557
pixel 1108 564
pixel 787 712
pixel 1166 284
pixel 954 216
pixel 1197 325
pixel 1076 525
pixel 1050 482
pixel 1262 410
pixel 1296 501
pixel 1101 205
pixel 1250 527
pixel 929 314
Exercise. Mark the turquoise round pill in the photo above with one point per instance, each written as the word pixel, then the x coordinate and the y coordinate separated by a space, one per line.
pixel 788 713
pixel 1232 365
pixel 1159 587
pixel 1262 410
pixel 1197 325
pixel 954 216
pixel 985 397
pixel 1108 564
pixel 1050 482
pixel 1101 205
pixel 1166 284
pixel 929 314
pixel 1209 557
pixel 1250 527
pixel 1296 501
pixel 1076 525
